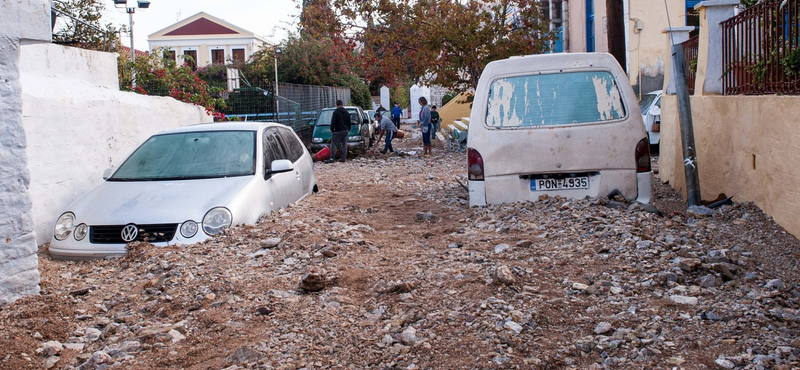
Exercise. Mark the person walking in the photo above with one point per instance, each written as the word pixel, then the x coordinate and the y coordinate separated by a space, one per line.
pixel 340 126
pixel 396 113
pixel 435 122
pixel 425 124
pixel 389 128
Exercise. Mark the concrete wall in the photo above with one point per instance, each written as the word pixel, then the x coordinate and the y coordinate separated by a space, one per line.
pixel 78 123
pixel 646 54
pixel 19 274
pixel 748 148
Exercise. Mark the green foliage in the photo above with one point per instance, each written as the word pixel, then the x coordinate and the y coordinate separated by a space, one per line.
pixel 448 97
pixel 359 91
pixel 749 3
pixel 155 75
pixel 759 71
pixel 792 62
pixel 88 33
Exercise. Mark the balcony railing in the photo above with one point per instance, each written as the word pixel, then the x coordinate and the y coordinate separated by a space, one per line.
pixel 760 49
pixel 690 60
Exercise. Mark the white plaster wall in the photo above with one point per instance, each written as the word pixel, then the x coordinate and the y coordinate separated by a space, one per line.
pixel 415 92
pixel 386 98
pixel 19 273
pixel 78 123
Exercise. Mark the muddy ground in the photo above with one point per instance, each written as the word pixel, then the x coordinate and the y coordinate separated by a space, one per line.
pixel 388 268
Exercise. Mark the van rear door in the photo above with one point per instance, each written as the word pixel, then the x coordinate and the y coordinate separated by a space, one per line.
pixel 567 132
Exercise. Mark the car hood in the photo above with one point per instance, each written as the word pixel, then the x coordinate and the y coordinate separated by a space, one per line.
pixel 154 202
pixel 324 132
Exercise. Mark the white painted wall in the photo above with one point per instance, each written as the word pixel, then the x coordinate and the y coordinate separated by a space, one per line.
pixel 19 265
pixel 415 93
pixel 78 123
pixel 386 98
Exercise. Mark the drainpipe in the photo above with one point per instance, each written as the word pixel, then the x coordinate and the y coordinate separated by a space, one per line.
pixel 626 16
pixel 565 24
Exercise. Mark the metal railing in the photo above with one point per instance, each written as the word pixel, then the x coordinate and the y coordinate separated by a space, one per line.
pixel 760 49
pixel 690 60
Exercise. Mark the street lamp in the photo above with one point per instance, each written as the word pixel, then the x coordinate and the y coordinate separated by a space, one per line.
pixel 277 103
pixel 130 10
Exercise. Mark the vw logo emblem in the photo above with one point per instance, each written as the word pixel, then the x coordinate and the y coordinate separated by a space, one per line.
pixel 129 233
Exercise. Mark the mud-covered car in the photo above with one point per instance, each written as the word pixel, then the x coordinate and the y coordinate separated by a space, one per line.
pixel 357 138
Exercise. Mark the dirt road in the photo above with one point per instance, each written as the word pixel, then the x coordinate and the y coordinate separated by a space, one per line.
pixel 388 268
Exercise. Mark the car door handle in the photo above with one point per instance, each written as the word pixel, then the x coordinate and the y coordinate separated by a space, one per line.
pixel 297 174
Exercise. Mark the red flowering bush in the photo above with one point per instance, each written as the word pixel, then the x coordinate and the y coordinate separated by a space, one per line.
pixel 158 76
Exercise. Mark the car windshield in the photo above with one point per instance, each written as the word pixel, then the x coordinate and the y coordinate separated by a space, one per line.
pixel 645 102
pixel 191 155
pixel 554 99
pixel 325 116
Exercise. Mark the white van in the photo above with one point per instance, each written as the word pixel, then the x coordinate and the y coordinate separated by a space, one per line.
pixel 556 124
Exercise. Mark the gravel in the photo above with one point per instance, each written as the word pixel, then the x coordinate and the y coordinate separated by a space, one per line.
pixel 388 268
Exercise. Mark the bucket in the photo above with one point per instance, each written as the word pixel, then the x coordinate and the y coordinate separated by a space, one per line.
pixel 324 154
pixel 400 134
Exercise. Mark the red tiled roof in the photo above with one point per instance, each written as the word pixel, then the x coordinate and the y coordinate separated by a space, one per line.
pixel 126 52
pixel 201 26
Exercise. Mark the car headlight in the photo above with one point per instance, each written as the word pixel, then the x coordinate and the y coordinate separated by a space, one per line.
pixel 64 226
pixel 189 229
pixel 354 138
pixel 316 140
pixel 216 220
pixel 80 232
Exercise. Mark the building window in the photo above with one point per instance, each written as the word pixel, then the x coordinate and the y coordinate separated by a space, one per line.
pixel 190 59
pixel 238 56
pixel 171 55
pixel 218 56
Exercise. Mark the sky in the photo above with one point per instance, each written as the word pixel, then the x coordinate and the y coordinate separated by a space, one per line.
pixel 266 18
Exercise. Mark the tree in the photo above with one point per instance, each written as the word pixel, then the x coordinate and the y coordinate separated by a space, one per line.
pixel 78 24
pixel 445 42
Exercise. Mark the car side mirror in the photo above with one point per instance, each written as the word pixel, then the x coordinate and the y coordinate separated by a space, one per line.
pixel 655 111
pixel 107 173
pixel 279 166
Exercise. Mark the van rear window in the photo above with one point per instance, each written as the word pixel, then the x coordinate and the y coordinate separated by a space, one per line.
pixel 554 99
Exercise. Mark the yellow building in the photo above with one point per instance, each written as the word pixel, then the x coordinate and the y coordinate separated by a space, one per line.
pixel 590 26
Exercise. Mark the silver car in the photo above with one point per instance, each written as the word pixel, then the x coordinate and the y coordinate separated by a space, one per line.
pixel 185 185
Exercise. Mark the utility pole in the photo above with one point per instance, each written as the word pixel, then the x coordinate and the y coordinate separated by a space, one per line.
pixel 616 30
pixel 687 127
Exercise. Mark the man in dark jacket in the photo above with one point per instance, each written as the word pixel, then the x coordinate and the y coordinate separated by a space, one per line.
pixel 340 126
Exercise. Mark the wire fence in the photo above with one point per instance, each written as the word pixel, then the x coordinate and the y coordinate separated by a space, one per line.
pixel 294 106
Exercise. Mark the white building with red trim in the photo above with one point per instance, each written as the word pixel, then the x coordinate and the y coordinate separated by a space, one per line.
pixel 206 40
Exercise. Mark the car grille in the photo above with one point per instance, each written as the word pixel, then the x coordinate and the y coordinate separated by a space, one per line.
pixel 150 233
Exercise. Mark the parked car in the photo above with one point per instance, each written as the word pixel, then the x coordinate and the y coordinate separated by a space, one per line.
pixel 556 124
pixel 356 139
pixel 185 185
pixel 650 105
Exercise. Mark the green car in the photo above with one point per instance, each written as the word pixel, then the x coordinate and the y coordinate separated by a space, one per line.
pixel 356 139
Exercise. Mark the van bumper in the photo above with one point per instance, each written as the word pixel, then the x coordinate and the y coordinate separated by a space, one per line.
pixel 644 181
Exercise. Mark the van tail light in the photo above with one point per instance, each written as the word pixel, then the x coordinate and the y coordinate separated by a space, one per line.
pixel 474 165
pixel 643 156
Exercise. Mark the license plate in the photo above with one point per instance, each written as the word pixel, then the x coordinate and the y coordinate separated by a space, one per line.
pixel 560 184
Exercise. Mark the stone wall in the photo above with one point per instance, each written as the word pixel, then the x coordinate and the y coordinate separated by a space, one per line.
pixel 78 123
pixel 19 274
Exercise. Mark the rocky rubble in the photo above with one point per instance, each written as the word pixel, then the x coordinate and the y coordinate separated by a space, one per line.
pixel 388 268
